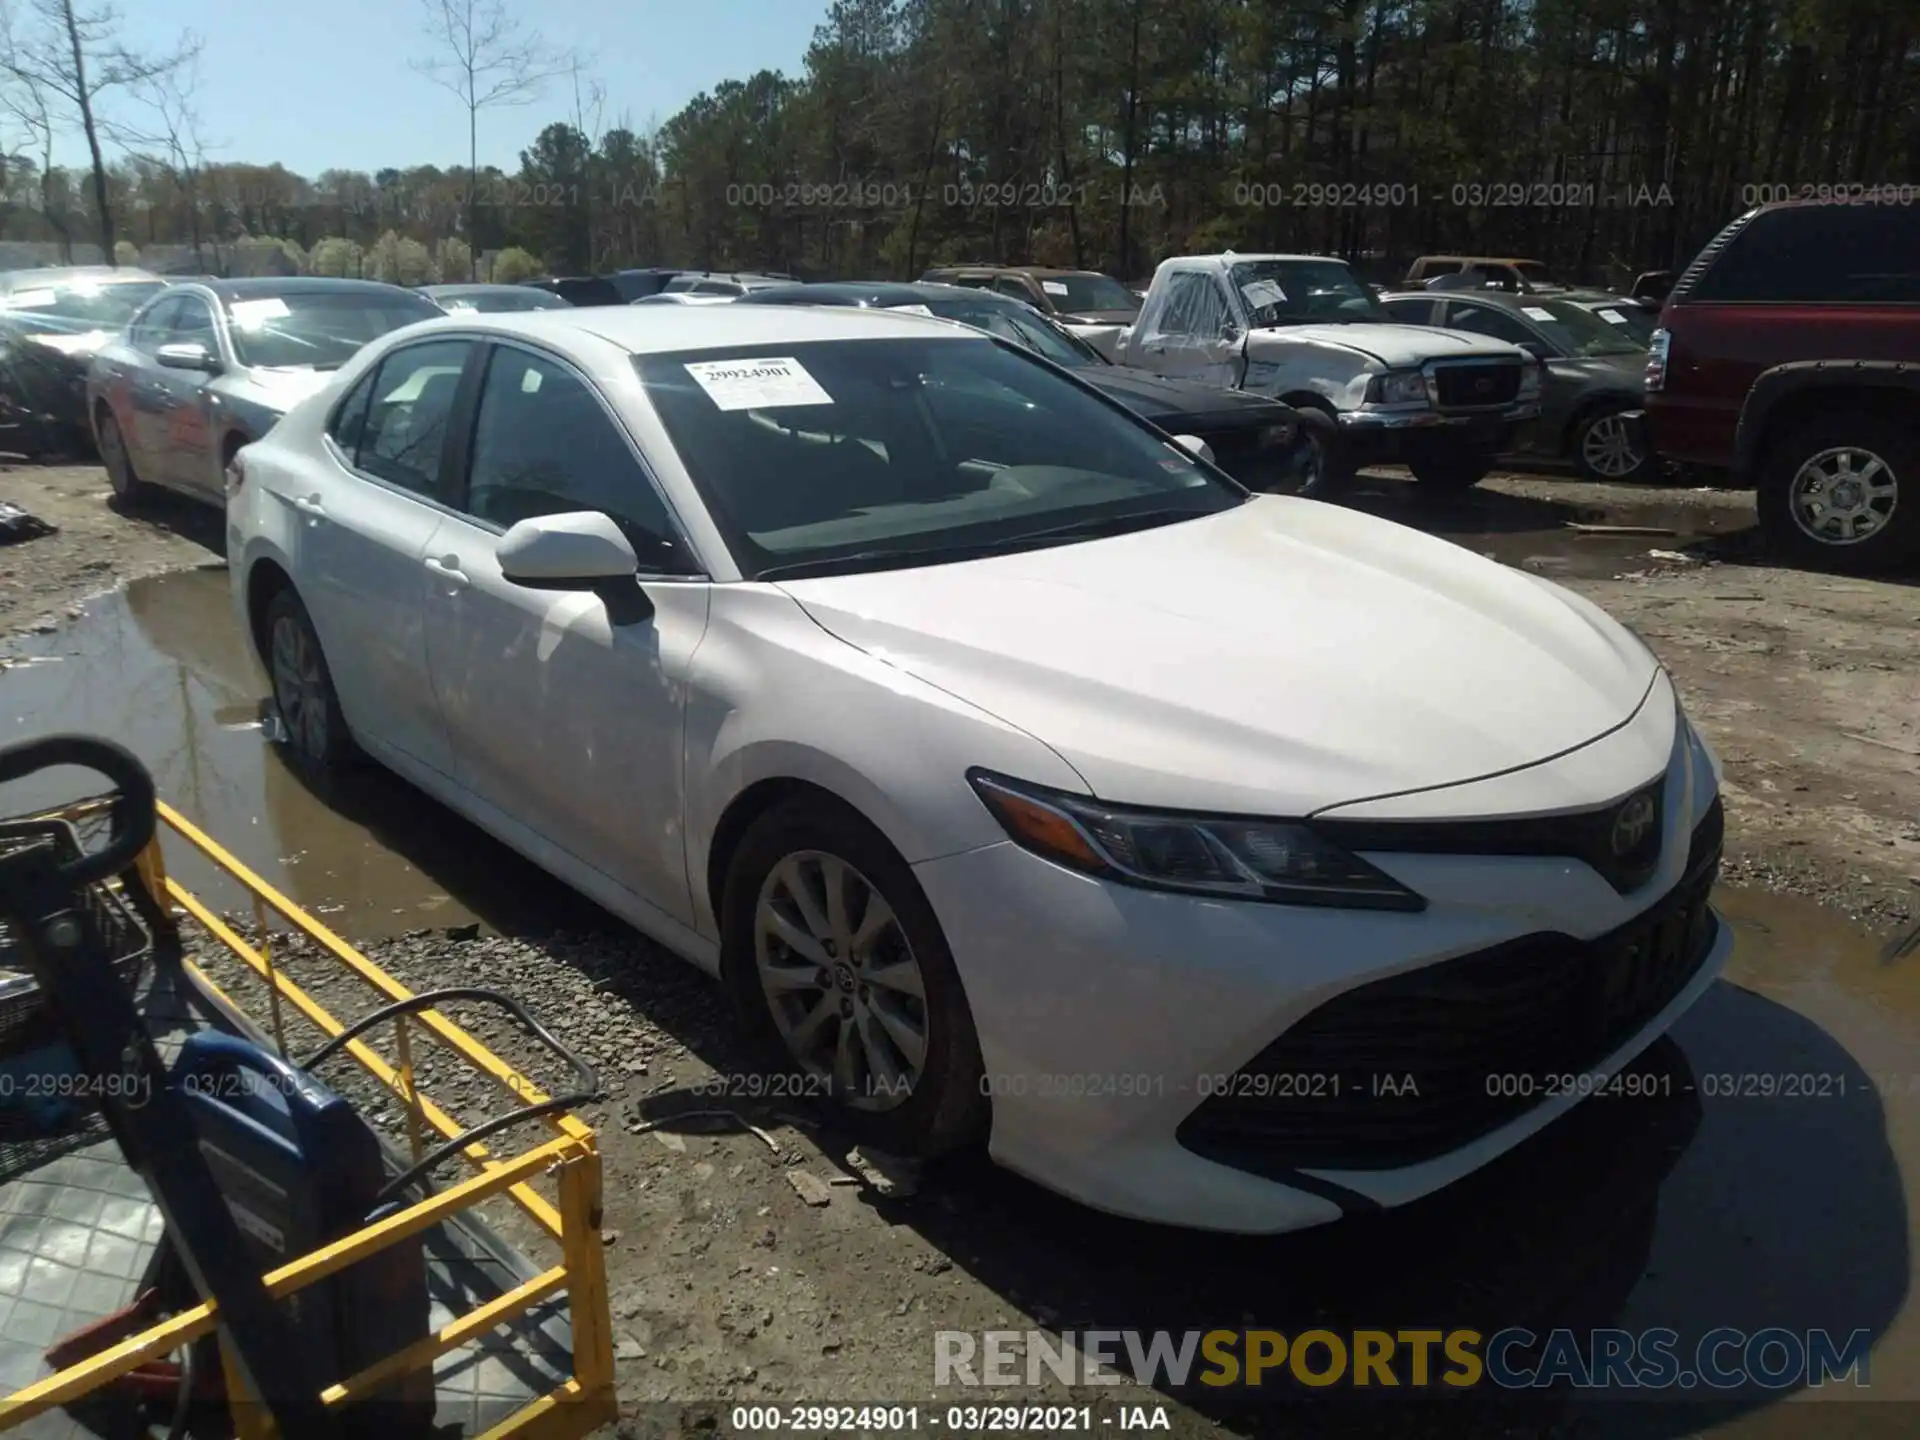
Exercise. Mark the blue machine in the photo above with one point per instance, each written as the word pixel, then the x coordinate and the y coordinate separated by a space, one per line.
pixel 297 1169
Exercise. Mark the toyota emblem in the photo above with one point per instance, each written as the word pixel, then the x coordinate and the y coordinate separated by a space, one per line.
pixel 1631 824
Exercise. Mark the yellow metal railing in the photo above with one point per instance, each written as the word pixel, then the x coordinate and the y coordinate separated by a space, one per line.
pixel 569 1157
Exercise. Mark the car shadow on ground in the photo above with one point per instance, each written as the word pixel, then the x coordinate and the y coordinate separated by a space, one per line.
pixel 202 524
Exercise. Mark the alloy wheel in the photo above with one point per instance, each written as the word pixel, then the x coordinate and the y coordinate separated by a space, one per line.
pixel 1608 448
pixel 1843 495
pixel 300 687
pixel 841 981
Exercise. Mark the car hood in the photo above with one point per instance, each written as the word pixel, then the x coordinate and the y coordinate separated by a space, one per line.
pixel 1154 398
pixel 278 390
pixel 1096 317
pixel 1389 344
pixel 79 347
pixel 1277 658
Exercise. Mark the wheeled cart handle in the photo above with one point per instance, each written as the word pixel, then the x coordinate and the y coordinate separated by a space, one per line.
pixel 133 814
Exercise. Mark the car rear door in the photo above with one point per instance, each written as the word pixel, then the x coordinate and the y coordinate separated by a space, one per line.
pixel 566 716
pixel 363 531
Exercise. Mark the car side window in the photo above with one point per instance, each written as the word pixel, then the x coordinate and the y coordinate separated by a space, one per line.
pixel 1410 312
pixel 1485 320
pixel 543 444
pixel 192 325
pixel 409 416
pixel 350 418
pixel 1821 253
pixel 1008 285
pixel 1198 309
pixel 148 333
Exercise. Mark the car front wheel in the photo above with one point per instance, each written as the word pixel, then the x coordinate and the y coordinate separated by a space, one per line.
pixel 1606 447
pixel 1842 491
pixel 842 976
pixel 127 485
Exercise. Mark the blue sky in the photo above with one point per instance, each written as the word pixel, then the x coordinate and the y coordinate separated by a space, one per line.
pixel 315 84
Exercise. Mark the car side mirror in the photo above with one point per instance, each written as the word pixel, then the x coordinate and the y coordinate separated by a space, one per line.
pixel 582 550
pixel 1229 332
pixel 1195 446
pixel 188 357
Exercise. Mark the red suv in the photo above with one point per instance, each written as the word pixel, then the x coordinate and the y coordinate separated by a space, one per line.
pixel 1789 354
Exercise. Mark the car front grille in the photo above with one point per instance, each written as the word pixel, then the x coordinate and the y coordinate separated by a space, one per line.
pixel 1472 386
pixel 1409 1068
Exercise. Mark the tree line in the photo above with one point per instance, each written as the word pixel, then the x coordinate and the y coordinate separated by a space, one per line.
pixel 1602 136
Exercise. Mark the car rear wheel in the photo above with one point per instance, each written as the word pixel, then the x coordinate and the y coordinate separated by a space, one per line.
pixel 127 485
pixel 1842 491
pixel 841 975
pixel 1607 448
pixel 314 731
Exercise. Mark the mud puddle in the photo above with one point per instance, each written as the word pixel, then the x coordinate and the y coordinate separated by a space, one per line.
pixel 163 668
pixel 1561 539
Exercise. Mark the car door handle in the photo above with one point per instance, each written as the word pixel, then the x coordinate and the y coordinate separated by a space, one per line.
pixel 310 506
pixel 448 571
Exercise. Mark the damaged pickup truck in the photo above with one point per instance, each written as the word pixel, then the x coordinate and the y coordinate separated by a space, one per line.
pixel 1304 330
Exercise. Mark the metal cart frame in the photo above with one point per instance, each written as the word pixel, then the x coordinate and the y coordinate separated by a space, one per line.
pixel 568 1155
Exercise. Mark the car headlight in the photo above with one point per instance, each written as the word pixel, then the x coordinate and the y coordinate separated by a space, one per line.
pixel 1272 435
pixel 1400 387
pixel 1229 857
pixel 1530 380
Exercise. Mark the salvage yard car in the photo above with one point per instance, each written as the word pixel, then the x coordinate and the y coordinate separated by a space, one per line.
pixel 208 366
pixel 1255 440
pixel 1789 354
pixel 1093 306
pixel 492 298
pixel 1305 331
pixel 53 321
pixel 1594 392
pixel 938 706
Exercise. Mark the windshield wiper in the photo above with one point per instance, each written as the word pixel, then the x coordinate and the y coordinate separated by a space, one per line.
pixel 1088 529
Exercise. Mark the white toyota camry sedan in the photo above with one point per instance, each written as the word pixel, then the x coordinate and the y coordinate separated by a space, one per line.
pixel 1229 860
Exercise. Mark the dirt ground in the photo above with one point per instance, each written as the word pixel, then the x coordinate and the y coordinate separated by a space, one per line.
pixel 734 1279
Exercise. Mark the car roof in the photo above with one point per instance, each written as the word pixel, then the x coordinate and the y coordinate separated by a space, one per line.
pixel 1048 272
pixel 1479 259
pixel 249 287
pixel 50 276
pixel 879 293
pixel 1230 257
pixel 471 287
pixel 656 329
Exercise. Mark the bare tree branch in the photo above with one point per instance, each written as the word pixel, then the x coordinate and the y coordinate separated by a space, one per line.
pixel 171 140
pixel 484 58
pixel 67 58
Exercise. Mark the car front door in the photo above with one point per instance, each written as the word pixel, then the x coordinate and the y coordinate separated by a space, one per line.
pixel 567 714
pixel 362 535
pixel 1195 341
pixel 187 444
pixel 134 391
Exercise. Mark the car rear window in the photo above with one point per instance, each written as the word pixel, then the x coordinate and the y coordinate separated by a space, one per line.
pixel 1819 254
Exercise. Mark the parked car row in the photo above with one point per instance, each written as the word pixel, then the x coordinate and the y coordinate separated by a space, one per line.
pixel 897 671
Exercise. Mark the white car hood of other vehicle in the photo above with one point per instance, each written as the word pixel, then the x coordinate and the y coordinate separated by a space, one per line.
pixel 1278 658
pixel 1389 344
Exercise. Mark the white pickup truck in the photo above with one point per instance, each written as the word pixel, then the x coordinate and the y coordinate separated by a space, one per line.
pixel 1304 330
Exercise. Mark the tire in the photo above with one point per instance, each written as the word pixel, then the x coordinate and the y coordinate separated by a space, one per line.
pixel 315 739
pixel 128 487
pixel 879 1096
pixel 1451 469
pixel 1605 449
pixel 1329 463
pixel 1867 463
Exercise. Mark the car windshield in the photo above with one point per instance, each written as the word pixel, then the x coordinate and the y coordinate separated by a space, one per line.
pixel 832 457
pixel 1636 322
pixel 1031 330
pixel 80 306
pixel 1079 293
pixel 1534 273
pixel 1576 330
pixel 494 302
pixel 1293 292
pixel 317 329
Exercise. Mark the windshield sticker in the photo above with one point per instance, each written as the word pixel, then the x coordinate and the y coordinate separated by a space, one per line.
pixel 1612 317
pixel 1054 287
pixel 1534 312
pixel 30 299
pixel 910 310
pixel 252 314
pixel 777 383
pixel 1262 293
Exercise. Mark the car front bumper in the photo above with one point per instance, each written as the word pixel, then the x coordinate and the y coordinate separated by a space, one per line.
pixel 1416 418
pixel 1111 1017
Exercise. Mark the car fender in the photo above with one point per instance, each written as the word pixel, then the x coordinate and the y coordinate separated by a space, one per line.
pixel 1783 383
pixel 1278 367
